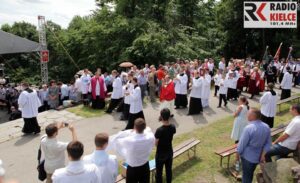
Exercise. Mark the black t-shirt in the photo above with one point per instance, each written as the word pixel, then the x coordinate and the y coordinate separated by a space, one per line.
pixel 165 136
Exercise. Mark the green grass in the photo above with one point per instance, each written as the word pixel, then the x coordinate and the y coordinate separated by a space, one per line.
pixel 206 164
pixel 86 112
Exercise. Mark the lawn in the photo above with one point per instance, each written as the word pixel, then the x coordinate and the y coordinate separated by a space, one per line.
pixel 206 164
pixel 86 112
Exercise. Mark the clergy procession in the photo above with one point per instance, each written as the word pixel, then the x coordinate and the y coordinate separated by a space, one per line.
pixel 184 84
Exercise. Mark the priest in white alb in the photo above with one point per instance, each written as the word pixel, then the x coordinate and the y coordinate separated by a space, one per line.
pixel 181 81
pixel 29 104
pixel 205 89
pixel 268 104
pixel 117 93
pixel 195 106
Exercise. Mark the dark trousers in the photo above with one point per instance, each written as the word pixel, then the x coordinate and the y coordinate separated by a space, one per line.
pixel 98 103
pixel 160 163
pixel 132 118
pixel 222 97
pixel 143 90
pixel 232 94
pixel 31 125
pixel 181 100
pixel 44 107
pixel 285 93
pixel 85 99
pixel 139 174
pixel 125 112
pixel 281 77
pixel 268 120
pixel 113 104
pixel 248 170
pixel 216 89
pixel 278 151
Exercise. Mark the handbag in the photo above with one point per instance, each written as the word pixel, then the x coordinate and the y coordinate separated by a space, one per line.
pixel 42 175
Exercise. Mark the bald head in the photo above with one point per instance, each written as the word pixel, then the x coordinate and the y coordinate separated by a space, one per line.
pixel 254 114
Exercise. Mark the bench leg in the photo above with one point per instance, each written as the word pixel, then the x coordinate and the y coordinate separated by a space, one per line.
pixel 195 150
pixel 221 162
pixel 228 161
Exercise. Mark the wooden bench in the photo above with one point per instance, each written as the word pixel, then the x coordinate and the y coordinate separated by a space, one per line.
pixel 227 152
pixel 290 99
pixel 186 146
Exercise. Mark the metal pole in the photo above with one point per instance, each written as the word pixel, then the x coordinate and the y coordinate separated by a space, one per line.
pixel 42 40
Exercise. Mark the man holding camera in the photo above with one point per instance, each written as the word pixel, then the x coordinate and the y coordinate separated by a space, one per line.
pixel 54 150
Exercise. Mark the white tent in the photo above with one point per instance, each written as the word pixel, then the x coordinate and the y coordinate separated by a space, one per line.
pixel 10 43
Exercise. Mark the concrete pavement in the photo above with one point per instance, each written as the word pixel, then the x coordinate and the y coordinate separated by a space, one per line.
pixel 19 153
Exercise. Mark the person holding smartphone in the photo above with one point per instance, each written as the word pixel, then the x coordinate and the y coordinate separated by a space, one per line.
pixel 54 150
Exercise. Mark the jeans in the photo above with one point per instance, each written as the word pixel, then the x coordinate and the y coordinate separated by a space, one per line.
pixel 248 170
pixel 278 151
pixel 160 163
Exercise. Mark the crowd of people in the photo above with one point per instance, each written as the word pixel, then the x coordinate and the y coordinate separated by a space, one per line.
pixel 171 83
pixel 133 146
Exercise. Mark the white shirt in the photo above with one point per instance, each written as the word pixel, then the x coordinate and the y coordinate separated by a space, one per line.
pixel 283 68
pixel 76 172
pixel 29 104
pixel 292 130
pixel 217 79
pixel 85 83
pixel 97 89
pixel 268 104
pixel 210 66
pixel 277 65
pixel 296 67
pixel 136 104
pixel 54 153
pixel 117 92
pixel 43 95
pixel 221 65
pixel 205 86
pixel 107 165
pixel 181 84
pixel 135 148
pixel 78 85
pixel 224 83
pixel 196 91
pixel 64 91
pixel 287 81
pixel 127 89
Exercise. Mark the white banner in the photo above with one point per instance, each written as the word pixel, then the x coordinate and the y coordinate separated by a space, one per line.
pixel 265 14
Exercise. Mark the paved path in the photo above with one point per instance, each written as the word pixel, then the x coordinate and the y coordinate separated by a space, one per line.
pixel 19 152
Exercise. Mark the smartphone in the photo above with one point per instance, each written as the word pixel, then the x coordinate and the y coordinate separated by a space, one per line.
pixel 66 124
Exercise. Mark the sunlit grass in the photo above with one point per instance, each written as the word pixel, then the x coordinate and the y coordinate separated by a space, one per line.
pixel 86 112
pixel 206 164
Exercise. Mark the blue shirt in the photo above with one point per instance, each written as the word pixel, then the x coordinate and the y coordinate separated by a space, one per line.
pixel 256 137
pixel 142 80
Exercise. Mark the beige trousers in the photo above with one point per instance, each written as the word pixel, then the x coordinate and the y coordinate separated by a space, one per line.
pixel 49 180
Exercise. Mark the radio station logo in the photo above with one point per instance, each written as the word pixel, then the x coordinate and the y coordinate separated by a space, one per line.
pixel 270 14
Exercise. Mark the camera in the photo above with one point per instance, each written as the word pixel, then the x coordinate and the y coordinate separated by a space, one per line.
pixel 66 124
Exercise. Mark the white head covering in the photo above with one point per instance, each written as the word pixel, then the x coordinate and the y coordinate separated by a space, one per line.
pixel 2 171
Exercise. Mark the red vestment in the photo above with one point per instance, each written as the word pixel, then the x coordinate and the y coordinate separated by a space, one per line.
pixel 167 92
pixel 94 81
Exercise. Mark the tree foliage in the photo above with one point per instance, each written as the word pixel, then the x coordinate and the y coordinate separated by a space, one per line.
pixel 144 32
